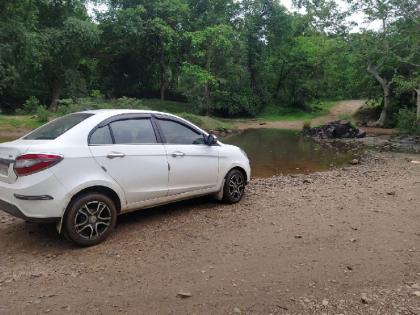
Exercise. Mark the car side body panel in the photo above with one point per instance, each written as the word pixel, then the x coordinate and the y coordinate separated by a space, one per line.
pixel 79 170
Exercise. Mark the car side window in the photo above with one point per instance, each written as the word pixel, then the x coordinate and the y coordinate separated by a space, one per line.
pixel 101 136
pixel 133 131
pixel 176 133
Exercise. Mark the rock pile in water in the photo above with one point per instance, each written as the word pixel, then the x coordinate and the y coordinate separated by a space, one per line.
pixel 335 129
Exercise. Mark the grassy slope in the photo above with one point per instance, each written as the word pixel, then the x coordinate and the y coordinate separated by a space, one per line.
pixel 18 122
pixel 29 122
pixel 184 110
pixel 288 114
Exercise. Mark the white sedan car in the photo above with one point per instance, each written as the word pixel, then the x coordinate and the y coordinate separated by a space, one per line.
pixel 83 169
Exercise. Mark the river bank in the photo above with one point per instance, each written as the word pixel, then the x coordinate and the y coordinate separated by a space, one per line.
pixel 343 241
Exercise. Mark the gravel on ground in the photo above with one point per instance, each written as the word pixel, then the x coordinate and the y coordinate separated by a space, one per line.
pixel 346 241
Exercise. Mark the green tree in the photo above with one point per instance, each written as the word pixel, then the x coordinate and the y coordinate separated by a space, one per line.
pixel 141 45
pixel 211 49
pixel 386 51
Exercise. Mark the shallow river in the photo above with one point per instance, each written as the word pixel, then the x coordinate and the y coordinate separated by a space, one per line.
pixel 275 152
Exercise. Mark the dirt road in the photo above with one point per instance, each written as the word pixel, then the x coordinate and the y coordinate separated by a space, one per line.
pixel 348 107
pixel 339 242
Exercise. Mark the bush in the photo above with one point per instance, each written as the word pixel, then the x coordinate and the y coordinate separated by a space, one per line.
pixel 42 114
pixel 30 106
pixel 96 94
pixel 407 121
pixel 66 106
pixel 370 111
pixel 306 125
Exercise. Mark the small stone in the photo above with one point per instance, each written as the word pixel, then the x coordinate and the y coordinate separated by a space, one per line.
pixel 390 193
pixel 298 236
pixel 184 294
pixel 307 181
pixel 36 275
pixel 237 310
pixel 416 293
pixel 354 162
pixel 353 240
pixel 364 298
pixel 325 302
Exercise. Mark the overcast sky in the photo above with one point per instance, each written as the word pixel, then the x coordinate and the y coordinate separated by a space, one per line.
pixel 359 18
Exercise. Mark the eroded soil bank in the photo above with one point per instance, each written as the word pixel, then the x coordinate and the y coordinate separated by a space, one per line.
pixel 346 241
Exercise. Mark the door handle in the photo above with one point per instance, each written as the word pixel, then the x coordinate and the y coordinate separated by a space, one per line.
pixel 178 154
pixel 113 155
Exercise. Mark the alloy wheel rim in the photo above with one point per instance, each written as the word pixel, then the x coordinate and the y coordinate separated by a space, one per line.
pixel 236 186
pixel 92 220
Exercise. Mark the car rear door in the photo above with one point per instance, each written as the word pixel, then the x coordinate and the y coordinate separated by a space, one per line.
pixel 128 149
pixel 193 165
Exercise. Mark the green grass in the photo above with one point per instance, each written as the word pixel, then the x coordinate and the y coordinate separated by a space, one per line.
pixel 25 122
pixel 206 122
pixel 168 106
pixel 276 113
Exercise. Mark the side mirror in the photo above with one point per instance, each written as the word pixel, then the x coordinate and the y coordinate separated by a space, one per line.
pixel 211 139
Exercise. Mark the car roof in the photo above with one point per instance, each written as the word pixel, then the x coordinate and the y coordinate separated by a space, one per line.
pixel 108 113
pixel 122 111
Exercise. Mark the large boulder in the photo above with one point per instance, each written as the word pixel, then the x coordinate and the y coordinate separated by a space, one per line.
pixel 335 130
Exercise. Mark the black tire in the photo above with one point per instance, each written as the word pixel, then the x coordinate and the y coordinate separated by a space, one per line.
pixel 90 219
pixel 234 187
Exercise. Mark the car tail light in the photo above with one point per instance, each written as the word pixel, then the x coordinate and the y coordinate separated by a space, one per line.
pixel 27 164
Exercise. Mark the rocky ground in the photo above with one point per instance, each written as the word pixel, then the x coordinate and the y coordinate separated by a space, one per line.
pixel 346 241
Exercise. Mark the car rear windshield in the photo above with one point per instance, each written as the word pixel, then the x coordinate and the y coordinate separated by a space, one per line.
pixel 57 127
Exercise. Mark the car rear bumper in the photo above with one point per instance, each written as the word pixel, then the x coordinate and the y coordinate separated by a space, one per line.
pixel 16 212
pixel 38 197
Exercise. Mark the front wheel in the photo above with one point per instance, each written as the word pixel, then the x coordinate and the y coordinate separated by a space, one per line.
pixel 234 187
pixel 90 219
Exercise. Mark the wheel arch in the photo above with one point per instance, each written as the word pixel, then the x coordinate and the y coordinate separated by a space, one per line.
pixel 109 192
pixel 239 168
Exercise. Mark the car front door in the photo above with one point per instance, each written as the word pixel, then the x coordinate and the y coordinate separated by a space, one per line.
pixel 193 165
pixel 128 149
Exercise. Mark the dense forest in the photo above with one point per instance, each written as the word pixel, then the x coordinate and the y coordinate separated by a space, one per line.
pixel 224 57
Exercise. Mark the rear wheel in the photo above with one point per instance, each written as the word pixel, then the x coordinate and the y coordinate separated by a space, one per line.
pixel 90 219
pixel 234 187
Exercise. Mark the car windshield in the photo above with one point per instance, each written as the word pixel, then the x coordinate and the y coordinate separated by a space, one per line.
pixel 57 127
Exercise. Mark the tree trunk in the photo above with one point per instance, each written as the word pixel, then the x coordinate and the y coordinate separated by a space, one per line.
pixel 385 110
pixel 55 94
pixel 162 76
pixel 206 86
pixel 418 104
pixel 279 81
pixel 386 87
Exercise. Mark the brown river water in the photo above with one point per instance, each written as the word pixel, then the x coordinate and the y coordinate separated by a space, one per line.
pixel 276 152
